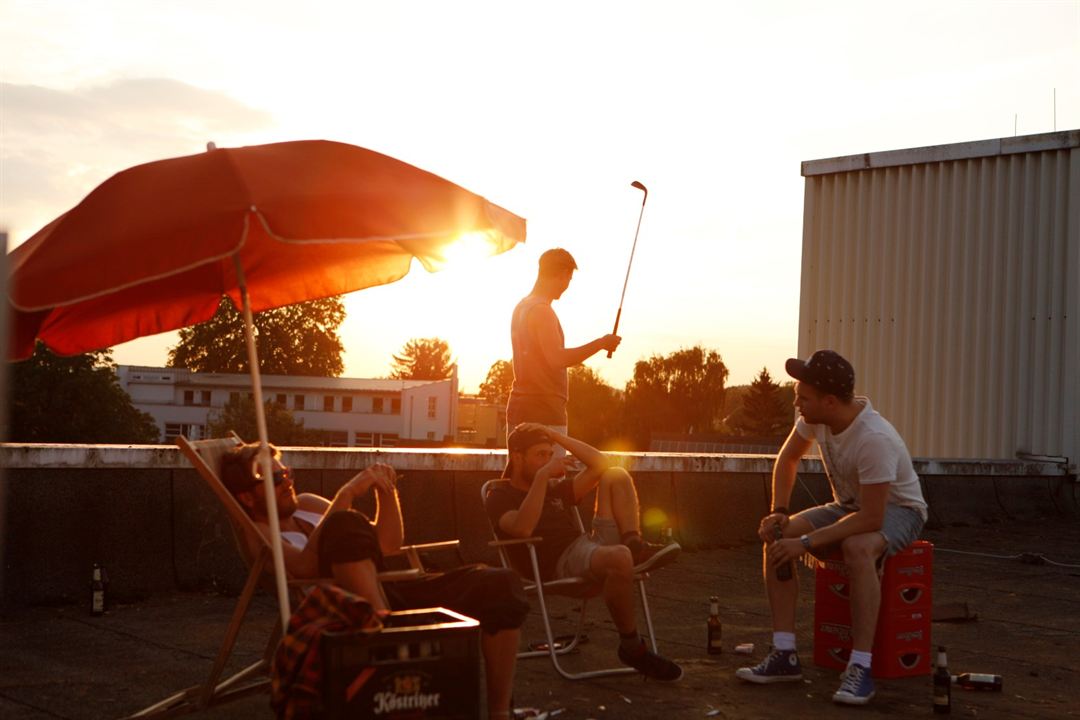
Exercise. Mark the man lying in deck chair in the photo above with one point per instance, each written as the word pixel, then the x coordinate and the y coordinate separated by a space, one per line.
pixel 327 538
pixel 535 503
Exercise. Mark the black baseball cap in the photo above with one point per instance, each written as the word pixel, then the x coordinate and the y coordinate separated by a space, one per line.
pixel 826 370
pixel 519 440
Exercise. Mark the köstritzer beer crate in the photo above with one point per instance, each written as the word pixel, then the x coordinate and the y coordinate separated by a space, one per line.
pixel 422 664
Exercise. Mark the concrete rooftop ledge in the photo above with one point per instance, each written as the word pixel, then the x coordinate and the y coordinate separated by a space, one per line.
pixel 168 457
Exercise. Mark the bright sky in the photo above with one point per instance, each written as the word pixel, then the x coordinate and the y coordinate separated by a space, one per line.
pixel 551 110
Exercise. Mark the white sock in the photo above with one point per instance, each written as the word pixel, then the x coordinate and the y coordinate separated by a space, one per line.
pixel 858 657
pixel 783 640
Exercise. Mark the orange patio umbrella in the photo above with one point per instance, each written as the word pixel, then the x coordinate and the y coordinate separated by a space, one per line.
pixel 155 247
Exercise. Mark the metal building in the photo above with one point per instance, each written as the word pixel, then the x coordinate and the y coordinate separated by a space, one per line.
pixel 950 277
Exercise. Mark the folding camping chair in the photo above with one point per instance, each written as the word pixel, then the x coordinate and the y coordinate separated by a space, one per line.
pixel 255 550
pixel 577 588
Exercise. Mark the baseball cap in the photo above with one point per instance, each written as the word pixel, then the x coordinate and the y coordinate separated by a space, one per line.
pixel 519 440
pixel 826 370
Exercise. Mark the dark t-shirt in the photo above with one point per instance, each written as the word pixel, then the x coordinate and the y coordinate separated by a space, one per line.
pixel 556 525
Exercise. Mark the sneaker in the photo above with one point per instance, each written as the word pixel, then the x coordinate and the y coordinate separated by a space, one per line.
pixel 649 556
pixel 779 666
pixel 650 664
pixel 856 688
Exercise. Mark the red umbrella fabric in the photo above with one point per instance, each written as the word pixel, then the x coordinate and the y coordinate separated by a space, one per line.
pixel 155 247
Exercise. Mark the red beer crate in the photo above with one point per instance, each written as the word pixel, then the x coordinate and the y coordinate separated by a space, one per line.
pixel 422 664
pixel 902 637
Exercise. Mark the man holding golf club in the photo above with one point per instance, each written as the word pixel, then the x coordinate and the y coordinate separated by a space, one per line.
pixel 541 358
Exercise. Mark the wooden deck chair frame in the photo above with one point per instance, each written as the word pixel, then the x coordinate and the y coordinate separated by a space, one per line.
pixel 581 589
pixel 205 456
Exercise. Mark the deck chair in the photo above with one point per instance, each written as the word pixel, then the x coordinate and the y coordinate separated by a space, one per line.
pixel 579 589
pixel 255 550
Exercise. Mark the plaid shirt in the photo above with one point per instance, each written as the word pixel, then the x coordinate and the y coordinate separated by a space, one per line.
pixel 296 675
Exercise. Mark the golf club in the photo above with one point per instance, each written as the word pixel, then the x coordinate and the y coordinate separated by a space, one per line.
pixel 640 186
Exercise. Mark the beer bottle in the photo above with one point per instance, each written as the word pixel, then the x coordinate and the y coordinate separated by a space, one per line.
pixel 97 591
pixel 978 681
pixel 942 684
pixel 713 641
pixel 783 572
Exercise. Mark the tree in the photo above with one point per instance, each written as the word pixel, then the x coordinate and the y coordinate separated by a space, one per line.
pixel 496 386
pixel 594 410
pixel 764 412
pixel 75 399
pixel 682 393
pixel 238 415
pixel 297 339
pixel 423 359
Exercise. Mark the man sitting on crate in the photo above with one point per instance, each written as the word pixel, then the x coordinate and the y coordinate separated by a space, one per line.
pixel 327 538
pixel 877 511
pixel 536 502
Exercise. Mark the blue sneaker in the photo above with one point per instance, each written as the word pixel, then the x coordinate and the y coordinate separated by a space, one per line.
pixel 779 666
pixel 856 688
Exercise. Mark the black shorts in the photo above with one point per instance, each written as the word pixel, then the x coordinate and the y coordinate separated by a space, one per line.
pixel 493 596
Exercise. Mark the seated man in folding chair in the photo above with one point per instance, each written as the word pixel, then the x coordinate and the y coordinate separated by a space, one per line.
pixel 327 538
pixel 535 503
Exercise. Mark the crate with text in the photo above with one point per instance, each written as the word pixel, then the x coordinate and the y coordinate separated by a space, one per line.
pixel 423 664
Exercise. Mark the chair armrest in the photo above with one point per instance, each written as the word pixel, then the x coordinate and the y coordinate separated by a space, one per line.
pixel 515 541
pixel 445 544
pixel 398 575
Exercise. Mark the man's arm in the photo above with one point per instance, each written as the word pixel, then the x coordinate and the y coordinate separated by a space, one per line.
pixel 868 518
pixel 595 461
pixel 785 469
pixel 544 327
pixel 389 526
pixel 522 522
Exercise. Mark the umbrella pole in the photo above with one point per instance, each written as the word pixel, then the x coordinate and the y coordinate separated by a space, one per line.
pixel 264 454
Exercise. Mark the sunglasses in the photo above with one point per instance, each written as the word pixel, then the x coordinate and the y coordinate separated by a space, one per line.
pixel 280 476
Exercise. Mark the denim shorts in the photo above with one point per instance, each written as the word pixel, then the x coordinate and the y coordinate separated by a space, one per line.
pixel 576 559
pixel 900 527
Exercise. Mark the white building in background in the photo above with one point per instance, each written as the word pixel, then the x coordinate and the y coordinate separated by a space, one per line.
pixel 950 277
pixel 354 412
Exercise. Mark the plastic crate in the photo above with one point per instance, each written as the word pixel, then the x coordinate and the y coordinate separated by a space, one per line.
pixel 422 664
pixel 902 636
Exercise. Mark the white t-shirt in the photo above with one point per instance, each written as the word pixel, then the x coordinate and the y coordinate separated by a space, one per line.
pixel 298 539
pixel 867 452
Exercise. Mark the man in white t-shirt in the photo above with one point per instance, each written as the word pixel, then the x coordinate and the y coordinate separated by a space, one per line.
pixel 877 511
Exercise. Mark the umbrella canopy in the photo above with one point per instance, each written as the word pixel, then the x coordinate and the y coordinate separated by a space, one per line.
pixel 155 247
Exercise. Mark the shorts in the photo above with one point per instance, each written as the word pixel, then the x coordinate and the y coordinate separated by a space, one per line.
pixel 576 559
pixel 495 597
pixel 900 527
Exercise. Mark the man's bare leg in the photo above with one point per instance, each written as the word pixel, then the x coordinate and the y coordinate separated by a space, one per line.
pixel 613 564
pixel 500 658
pixel 616 497
pixel 861 553
pixel 784 594
pixel 360 578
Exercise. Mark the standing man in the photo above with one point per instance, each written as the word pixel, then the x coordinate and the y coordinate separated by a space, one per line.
pixel 538 500
pixel 877 511
pixel 539 393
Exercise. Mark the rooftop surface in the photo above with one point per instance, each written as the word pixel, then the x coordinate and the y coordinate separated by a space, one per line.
pixel 62 663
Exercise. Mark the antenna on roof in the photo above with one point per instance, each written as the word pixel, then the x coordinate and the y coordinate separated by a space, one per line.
pixel 1055 109
pixel 1014 124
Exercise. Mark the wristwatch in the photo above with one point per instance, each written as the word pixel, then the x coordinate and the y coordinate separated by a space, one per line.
pixel 805 540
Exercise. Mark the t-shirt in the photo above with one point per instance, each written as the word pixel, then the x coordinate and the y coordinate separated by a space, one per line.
pixel 539 392
pixel 556 525
pixel 867 452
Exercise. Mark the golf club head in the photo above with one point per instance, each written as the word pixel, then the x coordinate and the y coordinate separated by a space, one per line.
pixel 641 186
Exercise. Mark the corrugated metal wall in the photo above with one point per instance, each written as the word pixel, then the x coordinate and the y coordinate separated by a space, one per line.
pixel 950 277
